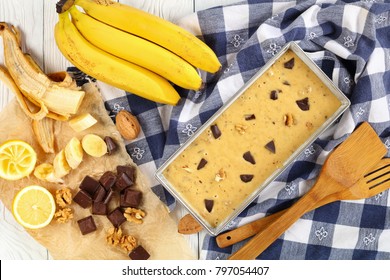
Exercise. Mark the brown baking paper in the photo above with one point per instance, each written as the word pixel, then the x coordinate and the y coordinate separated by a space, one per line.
pixel 158 234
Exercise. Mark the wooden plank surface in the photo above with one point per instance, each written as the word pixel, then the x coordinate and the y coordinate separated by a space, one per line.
pixel 36 19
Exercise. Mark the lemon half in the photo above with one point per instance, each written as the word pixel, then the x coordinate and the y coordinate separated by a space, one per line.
pixel 33 207
pixel 17 159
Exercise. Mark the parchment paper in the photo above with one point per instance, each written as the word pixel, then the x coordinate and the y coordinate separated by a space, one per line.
pixel 158 234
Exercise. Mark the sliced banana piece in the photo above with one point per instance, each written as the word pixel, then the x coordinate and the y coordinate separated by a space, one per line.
pixel 61 166
pixel 94 145
pixel 82 122
pixel 45 172
pixel 74 152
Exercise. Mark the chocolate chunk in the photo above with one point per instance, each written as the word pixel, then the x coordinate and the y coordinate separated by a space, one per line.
pixel 87 225
pixel 100 194
pixel 209 204
pixel 108 197
pixel 215 130
pixel 89 185
pixel 270 146
pixel 107 180
pixel 303 104
pixel 139 253
pixel 246 177
pixel 131 198
pixel 99 208
pixel 116 217
pixel 201 164
pixel 250 117
pixel 289 64
pixel 128 169
pixel 122 182
pixel 83 199
pixel 248 157
pixel 111 145
pixel 274 94
pixel 287 83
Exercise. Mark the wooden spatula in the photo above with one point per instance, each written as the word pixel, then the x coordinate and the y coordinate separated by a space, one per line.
pixel 341 170
pixel 374 182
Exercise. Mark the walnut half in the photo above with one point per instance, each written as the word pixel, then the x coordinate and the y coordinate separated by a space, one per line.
pixel 63 215
pixel 134 215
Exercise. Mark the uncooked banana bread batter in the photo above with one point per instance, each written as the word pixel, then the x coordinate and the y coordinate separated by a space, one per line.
pixel 251 139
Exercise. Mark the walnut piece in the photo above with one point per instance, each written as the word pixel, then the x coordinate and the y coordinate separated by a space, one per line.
pixel 63 197
pixel 241 128
pixel 221 175
pixel 134 215
pixel 288 119
pixel 115 237
pixel 64 215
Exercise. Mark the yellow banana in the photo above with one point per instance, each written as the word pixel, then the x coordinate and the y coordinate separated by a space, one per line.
pixel 137 50
pixel 155 29
pixel 108 68
pixel 32 82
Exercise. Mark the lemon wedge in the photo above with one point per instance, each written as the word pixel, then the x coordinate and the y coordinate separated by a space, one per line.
pixel 17 159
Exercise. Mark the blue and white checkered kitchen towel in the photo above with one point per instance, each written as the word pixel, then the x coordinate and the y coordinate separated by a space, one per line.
pixel 350 41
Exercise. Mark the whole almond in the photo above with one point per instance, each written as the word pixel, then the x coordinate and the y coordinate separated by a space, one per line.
pixel 188 225
pixel 127 125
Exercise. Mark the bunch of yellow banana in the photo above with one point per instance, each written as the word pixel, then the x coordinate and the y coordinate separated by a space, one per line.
pixel 132 49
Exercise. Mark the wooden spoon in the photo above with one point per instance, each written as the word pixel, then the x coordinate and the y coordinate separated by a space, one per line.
pixel 377 181
pixel 341 170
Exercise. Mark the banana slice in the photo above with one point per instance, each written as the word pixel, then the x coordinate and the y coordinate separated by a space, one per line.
pixel 74 152
pixel 94 145
pixel 45 172
pixel 61 166
pixel 82 122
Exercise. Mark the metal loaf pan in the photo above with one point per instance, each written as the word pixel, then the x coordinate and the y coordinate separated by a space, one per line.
pixel 317 71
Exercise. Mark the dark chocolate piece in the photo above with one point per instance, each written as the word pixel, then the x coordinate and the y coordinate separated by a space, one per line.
pixel 108 197
pixel 122 182
pixel 89 185
pixel 116 217
pixel 209 204
pixel 87 225
pixel 83 199
pixel 246 177
pixel 250 117
pixel 107 180
pixel 100 194
pixel 201 164
pixel 270 146
pixel 99 208
pixel 303 104
pixel 287 83
pixel 274 94
pixel 130 198
pixel 248 157
pixel 111 145
pixel 289 64
pixel 139 253
pixel 128 169
pixel 215 130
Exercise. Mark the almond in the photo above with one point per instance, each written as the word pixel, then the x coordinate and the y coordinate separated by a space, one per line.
pixel 127 125
pixel 188 225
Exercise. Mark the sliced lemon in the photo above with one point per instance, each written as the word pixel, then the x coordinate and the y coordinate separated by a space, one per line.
pixel 33 207
pixel 17 159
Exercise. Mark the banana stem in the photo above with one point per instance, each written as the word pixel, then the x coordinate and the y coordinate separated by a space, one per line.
pixel 64 5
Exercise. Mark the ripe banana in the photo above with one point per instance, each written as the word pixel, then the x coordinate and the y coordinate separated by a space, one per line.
pixel 45 172
pixel 137 50
pixel 74 152
pixel 94 145
pixel 82 122
pixel 50 96
pixel 155 29
pixel 108 68
pixel 61 166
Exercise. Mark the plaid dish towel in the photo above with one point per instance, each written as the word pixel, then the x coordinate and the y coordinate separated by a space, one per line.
pixel 350 41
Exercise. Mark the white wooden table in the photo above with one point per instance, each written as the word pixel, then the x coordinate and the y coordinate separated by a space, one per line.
pixel 36 19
